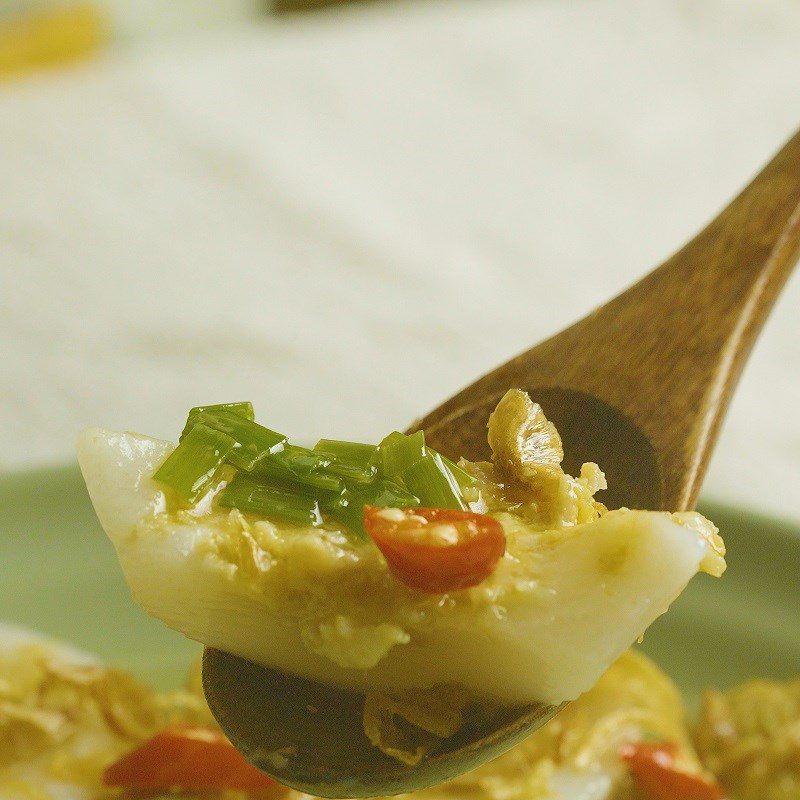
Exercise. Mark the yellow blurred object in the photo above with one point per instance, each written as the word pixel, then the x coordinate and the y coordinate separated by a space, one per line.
pixel 48 36
pixel 750 737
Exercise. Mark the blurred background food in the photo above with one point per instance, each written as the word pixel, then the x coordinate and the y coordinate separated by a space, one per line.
pixel 346 214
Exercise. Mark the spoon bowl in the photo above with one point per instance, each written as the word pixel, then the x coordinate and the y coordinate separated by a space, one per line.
pixel 310 737
pixel 639 386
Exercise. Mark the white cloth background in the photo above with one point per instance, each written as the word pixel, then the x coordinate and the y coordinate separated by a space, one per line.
pixel 346 217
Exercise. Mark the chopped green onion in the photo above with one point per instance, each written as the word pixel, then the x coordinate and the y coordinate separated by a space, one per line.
pixel 431 481
pixel 297 465
pixel 271 468
pixel 244 409
pixel 387 494
pixel 351 461
pixel 288 482
pixel 320 480
pixel 250 495
pixel 399 452
pixel 301 458
pixel 191 466
pixel 348 472
pixel 348 507
pixel 355 453
pixel 253 441
pixel 463 478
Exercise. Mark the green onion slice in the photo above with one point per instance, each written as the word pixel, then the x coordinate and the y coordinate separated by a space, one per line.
pixel 399 452
pixel 351 474
pixel 347 509
pixel 433 483
pixel 348 506
pixel 351 461
pixel 387 494
pixel 299 466
pixel 253 441
pixel 191 466
pixel 244 409
pixel 303 459
pixel 355 453
pixel 253 496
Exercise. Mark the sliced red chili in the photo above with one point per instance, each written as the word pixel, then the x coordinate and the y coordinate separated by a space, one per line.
pixel 188 758
pixel 657 776
pixel 436 550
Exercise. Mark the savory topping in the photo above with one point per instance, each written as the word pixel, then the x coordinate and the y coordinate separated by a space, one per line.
pixel 353 461
pixel 249 494
pixel 185 757
pixel 714 561
pixel 750 738
pixel 525 444
pixel 252 442
pixel 244 409
pixel 192 465
pixel 436 550
pixel 423 471
pixel 575 755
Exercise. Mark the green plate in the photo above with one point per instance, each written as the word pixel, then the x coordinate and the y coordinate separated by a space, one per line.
pixel 59 575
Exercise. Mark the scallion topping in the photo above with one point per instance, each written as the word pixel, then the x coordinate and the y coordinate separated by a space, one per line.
pixel 250 495
pixel 399 452
pixel 353 462
pixel 351 473
pixel 253 441
pixel 348 509
pixel 388 494
pixel 433 483
pixel 244 409
pixel 355 453
pixel 191 466
pixel 348 506
pixel 297 465
pixel 301 458
pixel 275 479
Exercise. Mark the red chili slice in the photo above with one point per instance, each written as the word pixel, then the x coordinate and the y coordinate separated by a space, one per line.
pixel 654 771
pixel 190 758
pixel 436 550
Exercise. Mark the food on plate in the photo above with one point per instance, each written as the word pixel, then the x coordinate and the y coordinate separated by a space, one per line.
pixel 388 568
pixel 73 729
pixel 594 749
pixel 750 737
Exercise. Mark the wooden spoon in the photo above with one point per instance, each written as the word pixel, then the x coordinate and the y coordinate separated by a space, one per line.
pixel 640 386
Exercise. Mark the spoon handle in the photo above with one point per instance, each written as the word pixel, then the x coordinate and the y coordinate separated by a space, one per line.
pixel 685 330
pixel 683 333
pixel 668 351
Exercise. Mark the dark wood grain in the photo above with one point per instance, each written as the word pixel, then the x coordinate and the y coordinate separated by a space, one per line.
pixel 642 384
